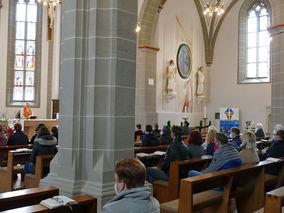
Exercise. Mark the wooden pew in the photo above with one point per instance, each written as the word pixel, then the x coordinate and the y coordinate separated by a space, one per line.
pixel 5 149
pixel 150 149
pixel 42 161
pixel 86 204
pixel 165 191
pixel 274 181
pixel 16 161
pixel 196 192
pixel 273 201
pixel 20 198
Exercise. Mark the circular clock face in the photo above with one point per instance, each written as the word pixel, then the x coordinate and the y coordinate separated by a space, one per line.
pixel 184 61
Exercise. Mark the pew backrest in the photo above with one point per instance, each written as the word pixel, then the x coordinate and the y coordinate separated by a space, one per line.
pixel 150 149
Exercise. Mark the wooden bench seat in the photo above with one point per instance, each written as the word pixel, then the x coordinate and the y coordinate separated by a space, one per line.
pixel 25 197
pixel 165 191
pixel 249 192
pixel 86 204
pixel 42 161
pixel 273 200
pixel 150 149
pixel 16 161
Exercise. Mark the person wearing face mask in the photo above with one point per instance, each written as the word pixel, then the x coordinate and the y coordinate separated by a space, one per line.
pixel 235 135
pixel 131 194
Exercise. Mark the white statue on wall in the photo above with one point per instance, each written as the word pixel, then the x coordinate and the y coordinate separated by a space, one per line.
pixel 172 71
pixel 200 82
pixel 51 14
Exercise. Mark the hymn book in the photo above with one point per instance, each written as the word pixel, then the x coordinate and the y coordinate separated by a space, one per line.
pixel 57 201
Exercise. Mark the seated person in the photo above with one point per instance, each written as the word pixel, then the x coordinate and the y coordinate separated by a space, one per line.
pixel 149 139
pixel 195 141
pixel 225 157
pixel 36 132
pixel 3 138
pixel 248 153
pixel 186 129
pixel 131 194
pixel 54 131
pixel 235 135
pixel 157 131
pixel 165 138
pixel 44 144
pixel 277 149
pixel 175 152
pixel 138 132
pixel 26 111
pixel 259 130
pixel 18 138
pixel 210 139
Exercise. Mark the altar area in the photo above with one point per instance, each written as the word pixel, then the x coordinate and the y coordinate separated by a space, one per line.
pixel 29 125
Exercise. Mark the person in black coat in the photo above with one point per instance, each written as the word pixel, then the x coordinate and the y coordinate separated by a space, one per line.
pixel 175 152
pixel 139 132
pixel 54 131
pixel 277 149
pixel 36 132
pixel 44 144
pixel 165 138
pixel 18 138
pixel 149 139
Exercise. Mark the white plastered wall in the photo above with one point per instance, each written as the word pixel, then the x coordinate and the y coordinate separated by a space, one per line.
pixel 253 100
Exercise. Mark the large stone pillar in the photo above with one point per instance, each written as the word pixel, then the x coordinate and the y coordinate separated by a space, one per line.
pixel 97 95
pixel 277 62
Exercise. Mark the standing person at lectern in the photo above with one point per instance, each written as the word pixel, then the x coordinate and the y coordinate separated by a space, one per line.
pixel 26 111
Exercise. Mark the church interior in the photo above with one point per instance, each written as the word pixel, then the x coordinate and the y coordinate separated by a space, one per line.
pixel 97 68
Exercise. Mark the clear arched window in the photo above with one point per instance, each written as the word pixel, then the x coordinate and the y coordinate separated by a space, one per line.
pixel 258 45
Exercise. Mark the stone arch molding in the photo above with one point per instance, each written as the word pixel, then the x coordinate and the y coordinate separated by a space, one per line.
pixel 149 15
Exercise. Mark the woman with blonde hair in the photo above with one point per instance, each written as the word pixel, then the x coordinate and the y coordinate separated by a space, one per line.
pixel 249 154
pixel 211 147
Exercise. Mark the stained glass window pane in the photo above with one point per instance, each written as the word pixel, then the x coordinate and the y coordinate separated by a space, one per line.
pixel 30 78
pixel 30 62
pixel 19 62
pixel 251 71
pixel 31 34
pixel 21 12
pixel 32 12
pixel 19 78
pixel 252 24
pixel 29 93
pixel 30 48
pixel 251 55
pixel 263 38
pixel 252 40
pixel 20 46
pixel 262 54
pixel 258 8
pixel 18 94
pixel 263 23
pixel 262 69
pixel 20 31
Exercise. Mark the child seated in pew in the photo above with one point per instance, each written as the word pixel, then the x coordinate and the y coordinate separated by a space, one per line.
pixel 235 136
pixel 166 138
pixel 175 152
pixel 131 194
pixel 225 157
pixel 248 154
pixel 210 139
pixel 44 144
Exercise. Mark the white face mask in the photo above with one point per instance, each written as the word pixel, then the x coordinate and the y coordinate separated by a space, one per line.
pixel 231 135
pixel 115 189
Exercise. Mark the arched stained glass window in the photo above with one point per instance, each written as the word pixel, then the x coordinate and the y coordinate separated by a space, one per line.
pixel 24 53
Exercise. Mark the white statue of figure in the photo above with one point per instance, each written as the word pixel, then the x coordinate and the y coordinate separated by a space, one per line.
pixel 200 82
pixel 172 70
pixel 51 15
